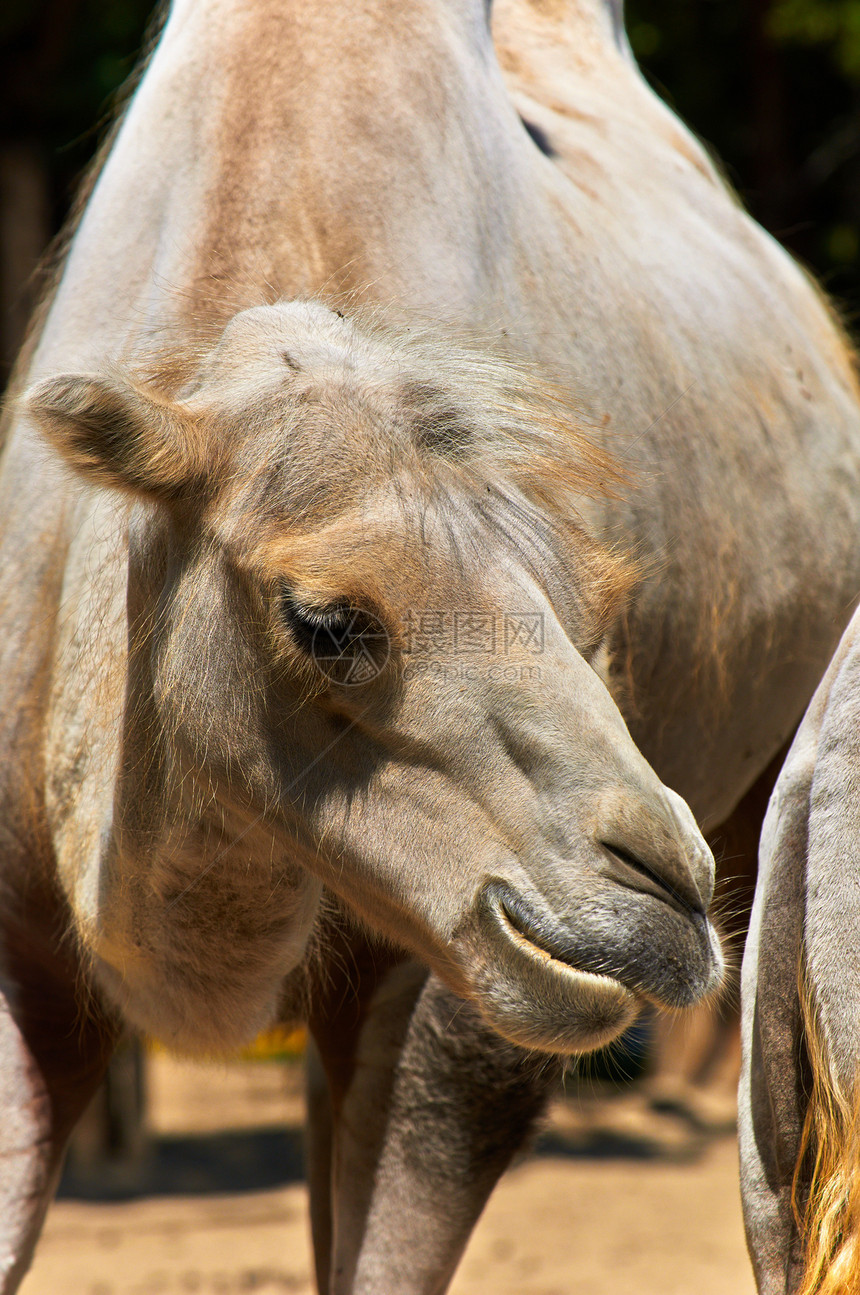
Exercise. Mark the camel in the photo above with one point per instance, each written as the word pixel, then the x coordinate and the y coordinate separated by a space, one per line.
pixel 419 465
pixel 798 1097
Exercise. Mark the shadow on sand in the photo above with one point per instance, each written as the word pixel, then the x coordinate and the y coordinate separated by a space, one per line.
pixel 255 1160
pixel 243 1160
pixel 612 1144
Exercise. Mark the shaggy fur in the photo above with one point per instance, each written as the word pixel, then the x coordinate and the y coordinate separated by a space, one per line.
pixel 826 1197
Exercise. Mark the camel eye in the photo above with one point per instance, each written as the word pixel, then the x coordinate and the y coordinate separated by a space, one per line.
pixel 348 644
pixel 329 627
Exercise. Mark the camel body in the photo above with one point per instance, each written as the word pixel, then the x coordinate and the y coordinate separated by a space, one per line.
pixel 328 265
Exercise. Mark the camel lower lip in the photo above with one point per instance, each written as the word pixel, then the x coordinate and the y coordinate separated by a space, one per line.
pixel 531 996
pixel 551 961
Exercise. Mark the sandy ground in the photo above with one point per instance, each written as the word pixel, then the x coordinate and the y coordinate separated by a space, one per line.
pixel 603 1205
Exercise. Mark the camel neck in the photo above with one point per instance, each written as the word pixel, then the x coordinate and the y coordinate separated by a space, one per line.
pixel 575 21
pixel 338 14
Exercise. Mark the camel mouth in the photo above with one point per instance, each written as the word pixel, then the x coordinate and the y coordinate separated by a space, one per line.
pixel 572 986
pixel 529 993
pixel 549 948
pixel 563 946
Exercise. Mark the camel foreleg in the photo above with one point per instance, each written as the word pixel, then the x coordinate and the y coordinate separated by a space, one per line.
pixel 434 1107
pixel 52 1058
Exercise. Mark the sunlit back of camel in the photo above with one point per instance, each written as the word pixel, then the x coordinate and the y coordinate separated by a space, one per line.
pixel 340 351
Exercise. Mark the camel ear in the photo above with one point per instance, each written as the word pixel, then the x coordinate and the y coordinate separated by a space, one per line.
pixel 117 434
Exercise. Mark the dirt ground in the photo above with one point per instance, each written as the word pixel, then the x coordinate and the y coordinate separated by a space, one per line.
pixel 606 1203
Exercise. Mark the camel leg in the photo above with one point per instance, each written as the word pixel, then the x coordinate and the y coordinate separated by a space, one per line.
pixel 698 1053
pixel 771 1101
pixel 51 1061
pixel 318 1163
pixel 428 1107
pixel 805 922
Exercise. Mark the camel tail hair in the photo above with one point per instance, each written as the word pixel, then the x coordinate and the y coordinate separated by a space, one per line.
pixel 828 1211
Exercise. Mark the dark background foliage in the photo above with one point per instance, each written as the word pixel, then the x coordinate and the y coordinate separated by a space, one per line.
pixel 773 86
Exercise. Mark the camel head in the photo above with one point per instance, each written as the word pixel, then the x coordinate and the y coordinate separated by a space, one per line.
pixel 365 629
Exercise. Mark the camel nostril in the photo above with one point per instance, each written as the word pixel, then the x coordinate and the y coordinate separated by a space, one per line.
pixel 650 879
pixel 652 843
